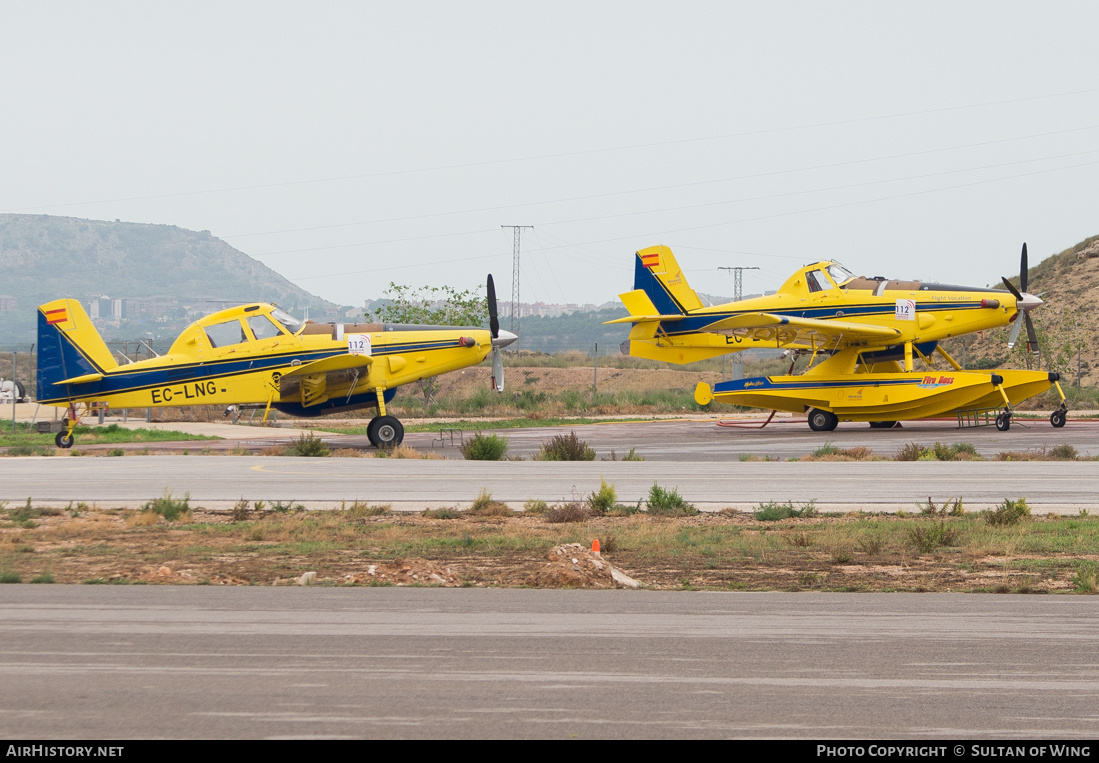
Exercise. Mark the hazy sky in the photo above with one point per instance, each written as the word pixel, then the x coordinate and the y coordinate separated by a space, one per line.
pixel 351 144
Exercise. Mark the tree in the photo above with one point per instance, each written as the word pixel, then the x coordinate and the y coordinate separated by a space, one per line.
pixel 433 306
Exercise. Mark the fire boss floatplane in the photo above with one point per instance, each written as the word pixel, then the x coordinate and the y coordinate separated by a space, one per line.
pixel 864 336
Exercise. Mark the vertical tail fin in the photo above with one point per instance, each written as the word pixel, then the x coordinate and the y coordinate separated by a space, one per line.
pixel 68 347
pixel 658 274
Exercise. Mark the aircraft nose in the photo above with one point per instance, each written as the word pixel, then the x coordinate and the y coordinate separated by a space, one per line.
pixel 1029 302
pixel 504 339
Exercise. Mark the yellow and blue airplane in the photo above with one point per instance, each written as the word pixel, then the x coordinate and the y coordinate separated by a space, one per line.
pixel 257 354
pixel 863 334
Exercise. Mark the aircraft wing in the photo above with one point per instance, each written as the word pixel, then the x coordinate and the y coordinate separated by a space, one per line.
pixel 335 363
pixel 813 332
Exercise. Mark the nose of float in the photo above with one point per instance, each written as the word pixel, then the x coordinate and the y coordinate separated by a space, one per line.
pixel 504 339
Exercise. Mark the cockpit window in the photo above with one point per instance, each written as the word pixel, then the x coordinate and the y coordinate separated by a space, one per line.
pixel 839 273
pixel 291 324
pixel 225 334
pixel 816 281
pixel 263 327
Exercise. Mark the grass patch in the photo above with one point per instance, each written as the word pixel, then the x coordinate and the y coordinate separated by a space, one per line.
pixel 773 512
pixel 112 433
pixel 1008 513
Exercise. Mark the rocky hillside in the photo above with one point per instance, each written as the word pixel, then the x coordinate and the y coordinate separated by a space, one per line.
pixel 1067 324
pixel 43 257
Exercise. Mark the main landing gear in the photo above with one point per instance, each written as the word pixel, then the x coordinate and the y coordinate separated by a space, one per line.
pixel 385 432
pixel 822 421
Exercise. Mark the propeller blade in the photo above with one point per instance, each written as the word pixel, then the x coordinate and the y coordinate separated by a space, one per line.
pixel 1031 335
pixel 493 319
pixel 1023 270
pixel 497 370
pixel 1015 327
pixel 1011 288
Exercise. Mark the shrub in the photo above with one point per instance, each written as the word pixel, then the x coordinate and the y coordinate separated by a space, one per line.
pixel 1064 452
pixel 308 444
pixel 482 447
pixel 951 507
pixel 910 452
pixel 239 512
pixel 925 537
pixel 10 577
pixel 828 449
pixel 443 513
pixel 602 500
pixel 535 506
pixel 1008 513
pixel 44 577
pixel 772 512
pixel 668 503
pixel 168 507
pixel 359 509
pixel 568 512
pixel 565 448
pixel 485 506
pixel 1086 578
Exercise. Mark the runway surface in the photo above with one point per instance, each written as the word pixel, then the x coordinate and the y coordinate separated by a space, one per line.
pixel 698 458
pixel 875 485
pixel 182 662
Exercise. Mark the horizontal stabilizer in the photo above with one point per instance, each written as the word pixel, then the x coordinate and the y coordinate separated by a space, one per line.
pixel 81 379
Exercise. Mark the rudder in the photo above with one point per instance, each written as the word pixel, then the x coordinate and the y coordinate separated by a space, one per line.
pixel 68 347
pixel 657 273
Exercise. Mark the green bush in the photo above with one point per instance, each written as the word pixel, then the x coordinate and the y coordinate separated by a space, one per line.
pixel 1064 452
pixel 565 448
pixel 535 506
pixel 772 512
pixel 482 447
pixel 443 513
pixel 602 500
pixel 1008 513
pixel 308 444
pixel 925 537
pixel 168 507
pixel 668 503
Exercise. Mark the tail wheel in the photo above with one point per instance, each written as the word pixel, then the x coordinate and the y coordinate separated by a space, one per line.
pixel 385 432
pixel 63 440
pixel 1058 417
pixel 822 421
pixel 1003 421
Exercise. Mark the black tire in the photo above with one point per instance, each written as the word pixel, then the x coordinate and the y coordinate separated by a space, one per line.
pixel 822 421
pixel 1003 422
pixel 385 432
pixel 1058 417
pixel 882 424
pixel 63 440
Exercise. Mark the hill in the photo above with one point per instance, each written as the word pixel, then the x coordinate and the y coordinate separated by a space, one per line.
pixel 1067 324
pixel 43 257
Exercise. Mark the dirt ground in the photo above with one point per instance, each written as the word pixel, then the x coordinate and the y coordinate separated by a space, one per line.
pixel 722 551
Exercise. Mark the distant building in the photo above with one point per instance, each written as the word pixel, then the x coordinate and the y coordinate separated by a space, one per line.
pixel 8 304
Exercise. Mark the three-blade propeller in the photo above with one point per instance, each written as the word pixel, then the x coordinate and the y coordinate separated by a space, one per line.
pixel 1025 303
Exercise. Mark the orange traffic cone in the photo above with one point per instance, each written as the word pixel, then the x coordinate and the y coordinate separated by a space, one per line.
pixel 595 547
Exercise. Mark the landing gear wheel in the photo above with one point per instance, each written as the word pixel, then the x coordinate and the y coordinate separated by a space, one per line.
pixel 822 421
pixel 63 440
pixel 1003 421
pixel 1058 417
pixel 882 424
pixel 385 432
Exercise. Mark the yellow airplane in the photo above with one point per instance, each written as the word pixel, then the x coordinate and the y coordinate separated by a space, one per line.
pixel 257 354
pixel 864 335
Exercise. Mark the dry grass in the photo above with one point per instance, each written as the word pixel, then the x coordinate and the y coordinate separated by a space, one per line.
pixel 856 552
